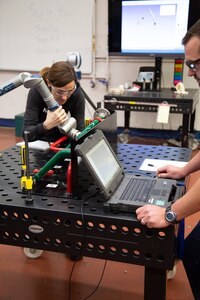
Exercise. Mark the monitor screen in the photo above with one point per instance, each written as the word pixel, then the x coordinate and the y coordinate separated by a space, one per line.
pixel 149 27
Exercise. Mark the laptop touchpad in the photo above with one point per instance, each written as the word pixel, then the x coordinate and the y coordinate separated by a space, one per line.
pixel 155 192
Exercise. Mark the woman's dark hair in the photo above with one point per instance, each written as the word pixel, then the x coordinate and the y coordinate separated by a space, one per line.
pixel 59 74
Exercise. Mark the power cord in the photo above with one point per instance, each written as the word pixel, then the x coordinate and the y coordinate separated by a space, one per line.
pixel 74 264
pixel 143 173
pixel 70 279
pixel 100 280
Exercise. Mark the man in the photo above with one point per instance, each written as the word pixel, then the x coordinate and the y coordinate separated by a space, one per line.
pixel 157 217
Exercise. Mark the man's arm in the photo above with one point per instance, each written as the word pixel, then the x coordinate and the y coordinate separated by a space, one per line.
pixel 188 203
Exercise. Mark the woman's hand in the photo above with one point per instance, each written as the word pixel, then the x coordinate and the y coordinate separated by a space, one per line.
pixel 55 118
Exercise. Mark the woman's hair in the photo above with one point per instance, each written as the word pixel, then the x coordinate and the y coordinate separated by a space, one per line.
pixel 59 74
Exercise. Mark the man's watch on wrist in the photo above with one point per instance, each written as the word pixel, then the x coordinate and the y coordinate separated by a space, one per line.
pixel 170 215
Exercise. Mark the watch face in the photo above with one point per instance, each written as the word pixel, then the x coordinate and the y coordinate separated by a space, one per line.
pixel 170 216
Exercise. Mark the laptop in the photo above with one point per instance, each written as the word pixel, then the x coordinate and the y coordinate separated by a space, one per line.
pixel 123 192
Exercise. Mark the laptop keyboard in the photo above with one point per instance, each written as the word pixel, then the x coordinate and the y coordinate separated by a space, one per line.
pixel 138 189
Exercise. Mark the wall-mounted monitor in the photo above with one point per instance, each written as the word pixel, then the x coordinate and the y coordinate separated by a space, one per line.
pixel 150 27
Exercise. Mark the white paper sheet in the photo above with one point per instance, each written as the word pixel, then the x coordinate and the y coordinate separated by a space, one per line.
pixel 154 164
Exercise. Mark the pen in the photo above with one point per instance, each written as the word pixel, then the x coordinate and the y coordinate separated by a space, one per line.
pixel 150 165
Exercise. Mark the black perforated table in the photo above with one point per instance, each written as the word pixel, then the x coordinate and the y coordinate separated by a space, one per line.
pixel 148 101
pixel 54 222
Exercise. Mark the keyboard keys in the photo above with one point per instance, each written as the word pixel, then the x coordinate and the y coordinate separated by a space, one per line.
pixel 138 190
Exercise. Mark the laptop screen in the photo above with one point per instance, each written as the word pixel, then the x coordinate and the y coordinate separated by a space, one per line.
pixel 101 161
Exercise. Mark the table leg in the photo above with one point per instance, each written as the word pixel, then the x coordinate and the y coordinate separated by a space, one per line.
pixel 155 284
pixel 185 128
pixel 192 120
pixel 127 119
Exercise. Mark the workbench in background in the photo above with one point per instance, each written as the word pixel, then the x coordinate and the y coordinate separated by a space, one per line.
pixel 148 101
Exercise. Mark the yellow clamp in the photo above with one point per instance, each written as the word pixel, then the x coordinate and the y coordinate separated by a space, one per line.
pixel 26 183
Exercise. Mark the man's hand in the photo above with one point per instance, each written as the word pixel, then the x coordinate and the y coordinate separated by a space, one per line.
pixel 152 216
pixel 170 171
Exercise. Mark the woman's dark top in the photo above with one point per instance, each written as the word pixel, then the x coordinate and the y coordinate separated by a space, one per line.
pixel 36 110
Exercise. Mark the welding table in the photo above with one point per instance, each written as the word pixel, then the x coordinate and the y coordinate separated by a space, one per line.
pixel 148 101
pixel 54 222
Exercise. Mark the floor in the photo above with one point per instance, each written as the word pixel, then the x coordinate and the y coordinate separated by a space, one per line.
pixel 54 276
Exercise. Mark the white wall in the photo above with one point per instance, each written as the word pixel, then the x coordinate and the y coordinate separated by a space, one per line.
pixel 115 69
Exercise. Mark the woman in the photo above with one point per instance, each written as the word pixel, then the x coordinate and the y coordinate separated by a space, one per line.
pixel 41 123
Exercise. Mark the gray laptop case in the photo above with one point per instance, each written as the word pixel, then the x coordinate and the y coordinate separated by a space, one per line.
pixel 124 192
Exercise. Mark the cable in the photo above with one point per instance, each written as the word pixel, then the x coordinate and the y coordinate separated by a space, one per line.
pixel 80 254
pixel 105 263
pixel 138 172
pixel 70 278
pixel 81 249
pixel 92 293
pixel 103 271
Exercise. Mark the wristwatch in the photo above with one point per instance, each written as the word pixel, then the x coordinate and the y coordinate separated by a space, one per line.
pixel 170 215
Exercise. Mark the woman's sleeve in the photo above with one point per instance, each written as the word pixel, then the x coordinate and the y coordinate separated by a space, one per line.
pixel 79 110
pixel 33 121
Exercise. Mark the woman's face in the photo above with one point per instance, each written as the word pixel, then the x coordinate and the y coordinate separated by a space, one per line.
pixel 62 94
